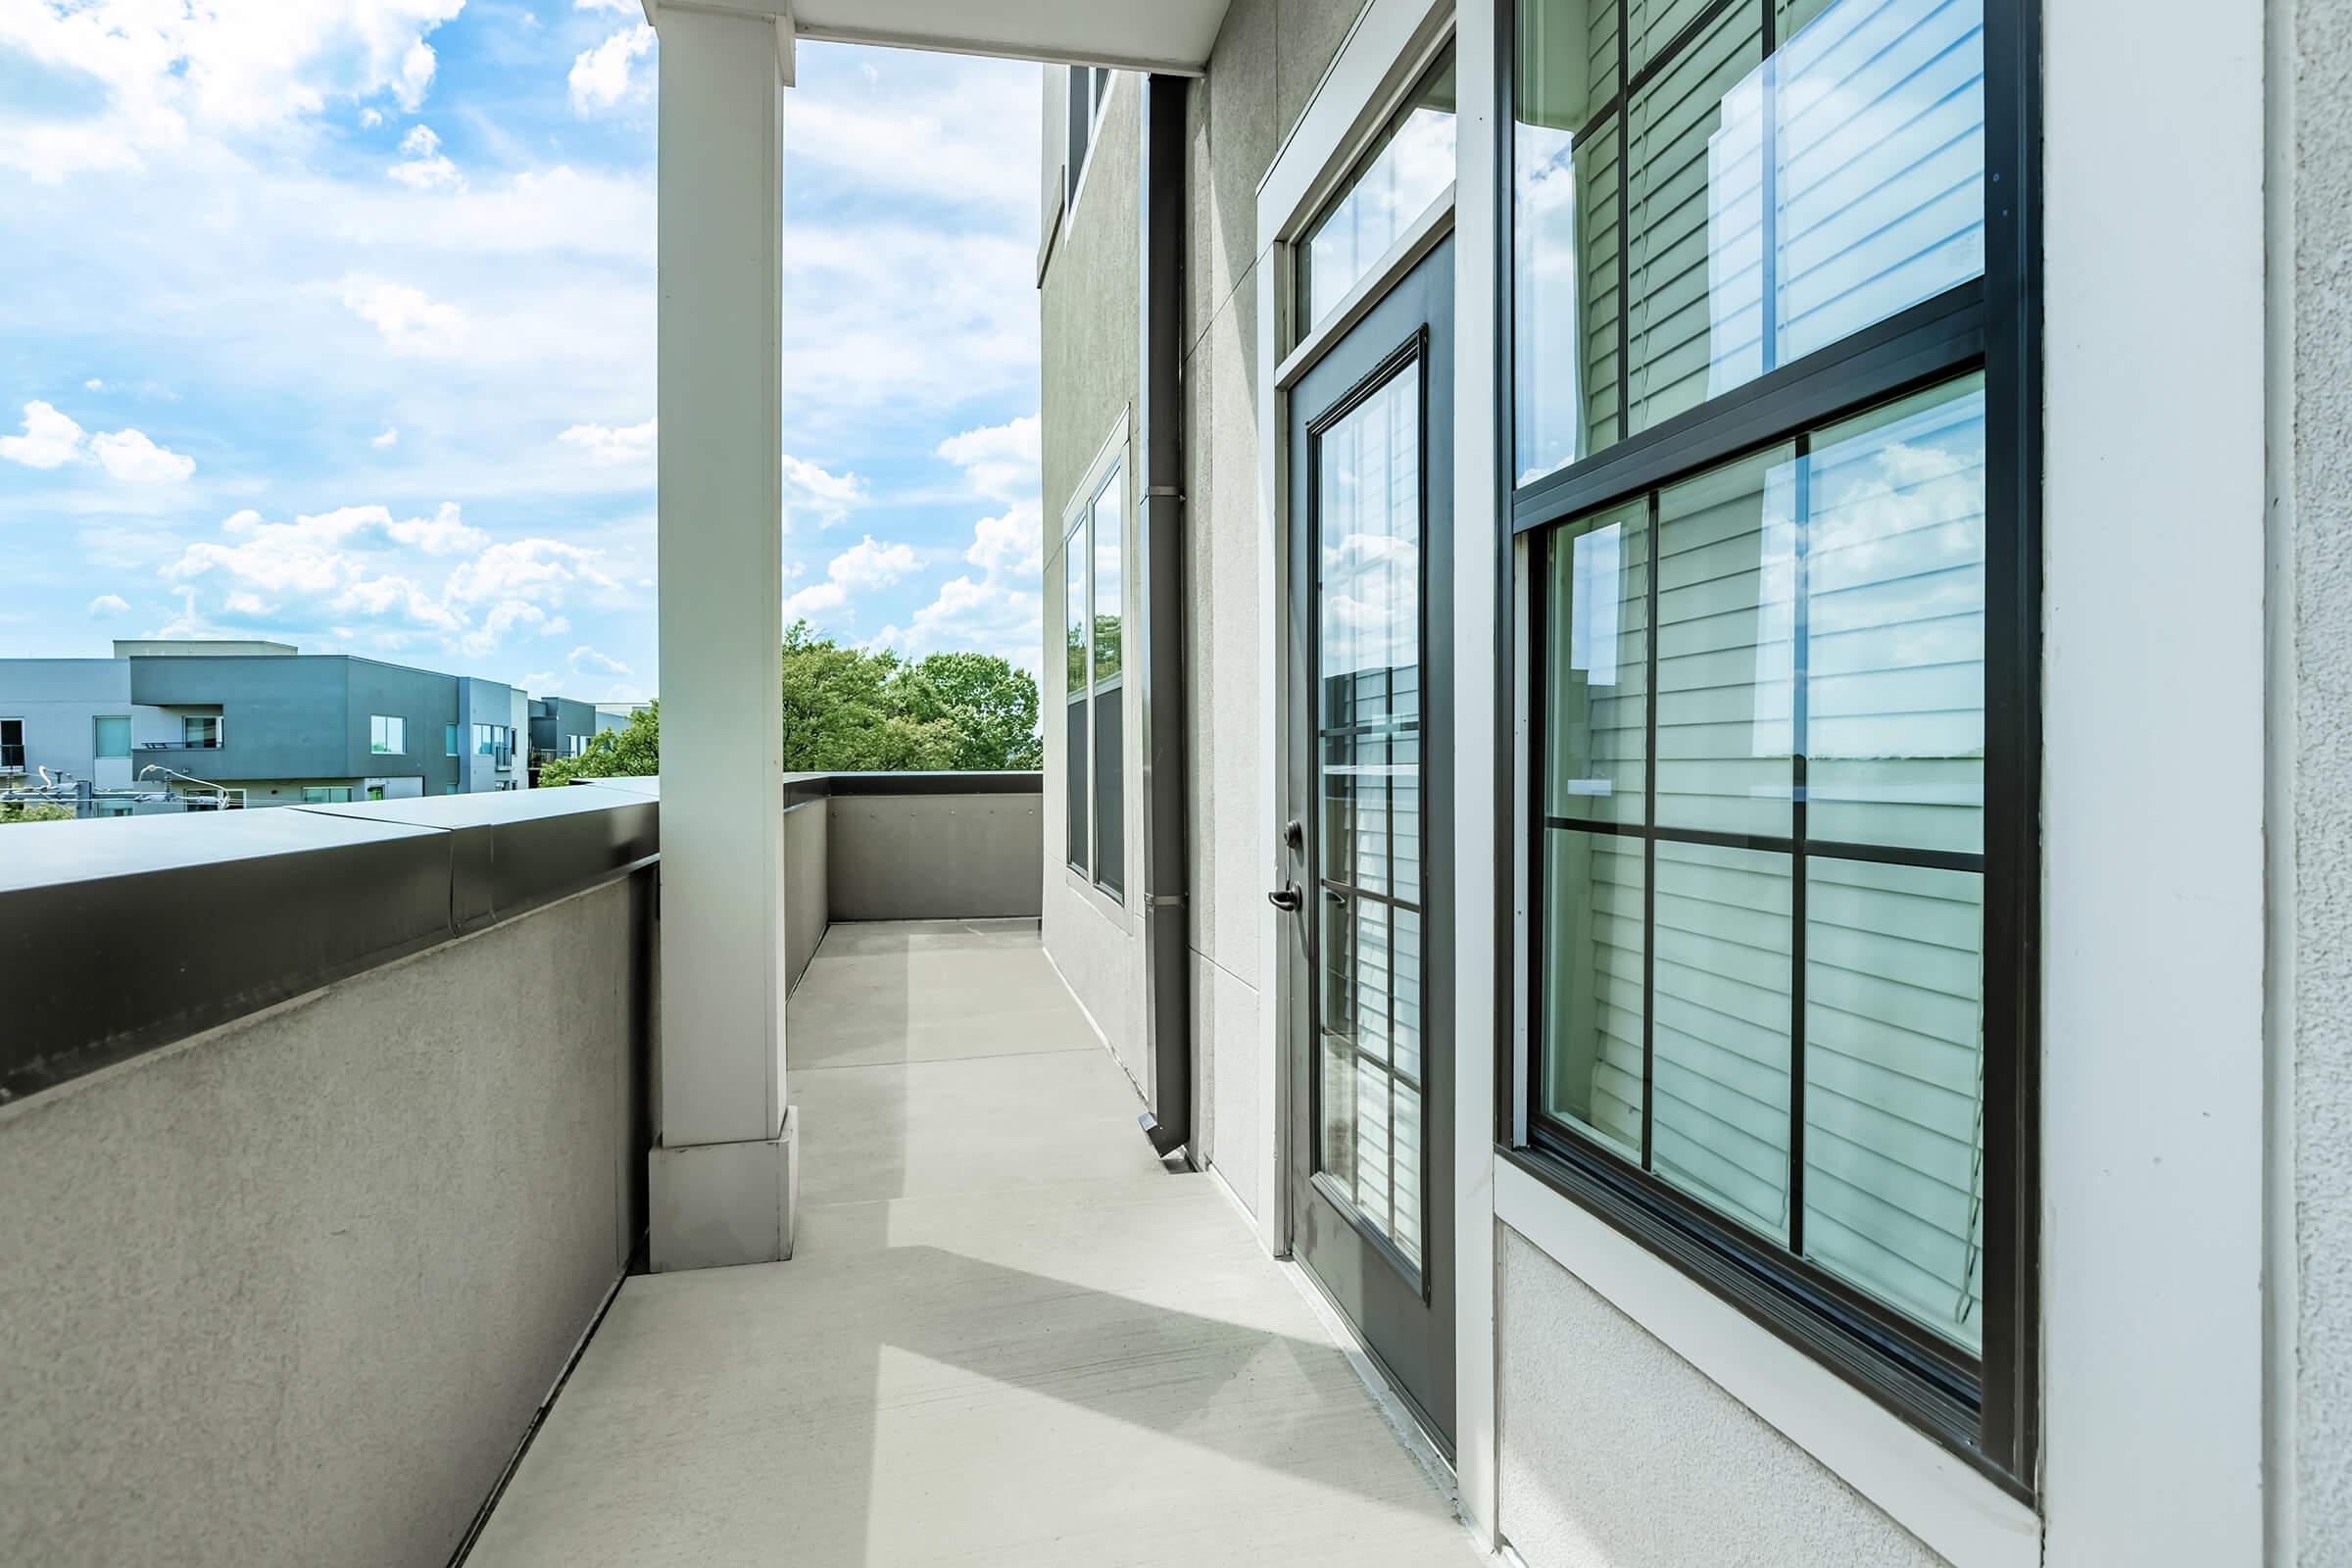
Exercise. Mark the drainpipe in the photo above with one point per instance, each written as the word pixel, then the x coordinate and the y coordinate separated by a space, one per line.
pixel 1159 461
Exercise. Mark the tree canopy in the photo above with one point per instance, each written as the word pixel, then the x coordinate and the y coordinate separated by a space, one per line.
pixel 851 711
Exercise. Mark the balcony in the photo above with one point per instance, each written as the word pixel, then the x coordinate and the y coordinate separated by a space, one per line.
pixel 312 1210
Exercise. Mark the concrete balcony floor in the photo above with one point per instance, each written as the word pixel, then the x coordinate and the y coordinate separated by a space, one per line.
pixel 1009 1336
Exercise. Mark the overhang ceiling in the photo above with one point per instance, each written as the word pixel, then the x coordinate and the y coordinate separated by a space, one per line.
pixel 1168 35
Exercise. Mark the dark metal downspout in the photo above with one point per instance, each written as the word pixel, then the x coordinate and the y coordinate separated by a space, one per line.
pixel 1160 652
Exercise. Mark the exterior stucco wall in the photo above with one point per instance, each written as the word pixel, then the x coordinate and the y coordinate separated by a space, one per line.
pixel 1090 346
pixel 289 1291
pixel 2316 145
pixel 1618 1454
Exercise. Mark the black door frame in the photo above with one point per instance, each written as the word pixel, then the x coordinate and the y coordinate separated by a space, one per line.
pixel 1404 1314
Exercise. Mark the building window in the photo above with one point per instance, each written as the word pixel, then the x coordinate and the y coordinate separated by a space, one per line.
pixel 576 745
pixel 1409 167
pixel 326 793
pixel 496 742
pixel 110 735
pixel 1773 465
pixel 202 731
pixel 449 740
pixel 375 792
pixel 12 745
pixel 1090 90
pixel 388 733
pixel 1093 561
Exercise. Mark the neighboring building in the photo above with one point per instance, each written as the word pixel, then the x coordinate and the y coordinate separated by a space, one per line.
pixel 254 724
pixel 1761 1024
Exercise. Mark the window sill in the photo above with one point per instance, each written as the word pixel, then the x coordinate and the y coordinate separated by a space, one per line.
pixel 1920 1484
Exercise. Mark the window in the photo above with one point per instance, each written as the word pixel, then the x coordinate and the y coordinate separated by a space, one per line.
pixel 388 733
pixel 576 745
pixel 1090 90
pixel 375 792
pixel 493 741
pixel 12 745
pixel 1774 465
pixel 449 740
pixel 110 735
pixel 200 730
pixel 326 795
pixel 1407 168
pixel 1094 558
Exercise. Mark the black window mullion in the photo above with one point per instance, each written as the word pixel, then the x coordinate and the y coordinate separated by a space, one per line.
pixel 1649 830
pixel 1768 186
pixel 1799 706
pixel 1624 359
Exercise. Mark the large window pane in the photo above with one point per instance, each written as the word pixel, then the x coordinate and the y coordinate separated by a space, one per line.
pixel 1720 1030
pixel 1896 623
pixel 1694 223
pixel 1568 302
pixel 1109 516
pixel 1394 183
pixel 1895 1086
pixel 113 735
pixel 1110 790
pixel 1591 980
pixel 1772 206
pixel 1726 583
pixel 1879 163
pixel 1075 755
pixel 1596 680
pixel 1368 508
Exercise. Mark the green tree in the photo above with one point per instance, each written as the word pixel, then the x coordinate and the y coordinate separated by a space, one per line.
pixel 632 750
pixel 991 705
pixel 34 812
pixel 848 709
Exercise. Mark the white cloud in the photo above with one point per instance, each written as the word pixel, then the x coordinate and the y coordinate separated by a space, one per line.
pixel 49 438
pixel 52 439
pixel 369 119
pixel 867 565
pixel 1011 545
pixel 826 497
pixel 625 7
pixel 586 660
pixel 427 167
pixel 607 445
pixel 436 577
pixel 108 604
pixel 991 615
pixel 602 76
pixel 130 454
pixel 412 323
pixel 998 459
pixel 93 384
pixel 390 437
pixel 172 73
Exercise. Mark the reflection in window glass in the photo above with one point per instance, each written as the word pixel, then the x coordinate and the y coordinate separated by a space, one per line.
pixel 1819 619
pixel 1591 980
pixel 1367 501
pixel 1721 1021
pixel 1896 623
pixel 1895 1086
pixel 1727 605
pixel 1109 512
pixel 1597 678
pixel 113 735
pixel 1074 690
pixel 1772 206
pixel 1406 169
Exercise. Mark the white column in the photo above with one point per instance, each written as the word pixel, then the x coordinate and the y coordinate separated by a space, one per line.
pixel 723 1176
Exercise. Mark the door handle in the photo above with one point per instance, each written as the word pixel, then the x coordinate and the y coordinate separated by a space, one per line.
pixel 1288 899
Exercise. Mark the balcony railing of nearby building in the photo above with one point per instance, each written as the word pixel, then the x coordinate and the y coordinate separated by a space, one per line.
pixel 379 1076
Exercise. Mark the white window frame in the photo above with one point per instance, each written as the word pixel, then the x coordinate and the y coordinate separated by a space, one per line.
pixel 1110 466
pixel 389 726
pixel 128 746
pixel 1079 159
pixel 219 725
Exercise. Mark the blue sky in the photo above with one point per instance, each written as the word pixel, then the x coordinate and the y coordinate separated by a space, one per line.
pixel 332 321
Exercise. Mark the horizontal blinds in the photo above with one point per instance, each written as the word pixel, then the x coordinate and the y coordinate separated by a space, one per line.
pixel 1894 1084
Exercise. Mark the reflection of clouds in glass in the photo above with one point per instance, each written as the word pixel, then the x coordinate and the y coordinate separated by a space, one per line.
pixel 1395 189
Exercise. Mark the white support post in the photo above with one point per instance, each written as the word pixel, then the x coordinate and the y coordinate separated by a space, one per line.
pixel 724 1176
